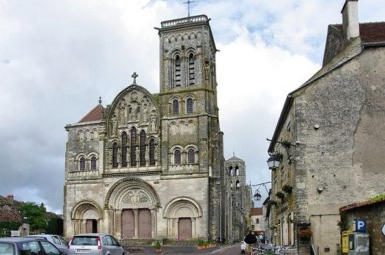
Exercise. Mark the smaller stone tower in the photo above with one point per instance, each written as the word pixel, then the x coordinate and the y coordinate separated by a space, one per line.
pixel 235 177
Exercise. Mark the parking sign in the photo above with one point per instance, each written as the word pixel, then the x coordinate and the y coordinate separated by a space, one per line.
pixel 360 225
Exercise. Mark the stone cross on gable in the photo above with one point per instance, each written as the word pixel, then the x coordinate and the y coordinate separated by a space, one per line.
pixel 134 75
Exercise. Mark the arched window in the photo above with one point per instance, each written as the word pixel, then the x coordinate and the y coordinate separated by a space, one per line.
pixel 237 171
pixel 191 156
pixel 189 105
pixel 191 71
pixel 231 171
pixel 142 148
pixel 257 221
pixel 133 147
pixel 237 184
pixel 175 106
pixel 82 164
pixel 177 157
pixel 177 71
pixel 115 155
pixel 124 149
pixel 93 163
pixel 152 152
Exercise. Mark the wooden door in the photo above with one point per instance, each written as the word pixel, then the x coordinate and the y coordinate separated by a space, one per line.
pixel 89 226
pixel 128 224
pixel 184 229
pixel 145 224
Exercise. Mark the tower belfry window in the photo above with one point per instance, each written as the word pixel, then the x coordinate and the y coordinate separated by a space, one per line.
pixel 177 157
pixel 82 164
pixel 177 71
pixel 191 69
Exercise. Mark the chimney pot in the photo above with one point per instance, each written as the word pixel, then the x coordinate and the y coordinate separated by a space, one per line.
pixel 351 27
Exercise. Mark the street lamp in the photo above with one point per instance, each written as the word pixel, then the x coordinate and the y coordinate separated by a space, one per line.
pixel 257 196
pixel 274 161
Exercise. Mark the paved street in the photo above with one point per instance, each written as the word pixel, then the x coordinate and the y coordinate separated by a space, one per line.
pixel 230 250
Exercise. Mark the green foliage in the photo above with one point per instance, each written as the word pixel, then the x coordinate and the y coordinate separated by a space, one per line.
pixel 35 215
pixel 54 226
pixel 157 245
pixel 378 197
pixel 200 242
pixel 7 226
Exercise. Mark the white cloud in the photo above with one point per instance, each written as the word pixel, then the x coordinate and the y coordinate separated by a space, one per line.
pixel 58 57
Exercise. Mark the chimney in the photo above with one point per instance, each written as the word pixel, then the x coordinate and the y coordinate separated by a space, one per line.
pixel 351 27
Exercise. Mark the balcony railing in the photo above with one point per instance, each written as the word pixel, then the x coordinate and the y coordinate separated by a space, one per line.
pixel 182 21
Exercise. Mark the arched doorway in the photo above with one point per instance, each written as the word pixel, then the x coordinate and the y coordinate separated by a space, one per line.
pixel 134 204
pixel 86 217
pixel 183 215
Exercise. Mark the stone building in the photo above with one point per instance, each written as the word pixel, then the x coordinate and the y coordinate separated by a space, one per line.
pixel 150 166
pixel 238 199
pixel 257 220
pixel 329 139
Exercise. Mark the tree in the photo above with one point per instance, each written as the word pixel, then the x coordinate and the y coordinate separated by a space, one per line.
pixel 35 215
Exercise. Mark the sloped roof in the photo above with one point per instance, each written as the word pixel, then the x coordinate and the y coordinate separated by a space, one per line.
pixel 369 32
pixel 256 211
pixel 94 115
pixel 362 204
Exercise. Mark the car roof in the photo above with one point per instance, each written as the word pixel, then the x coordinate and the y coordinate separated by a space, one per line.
pixel 91 234
pixel 17 239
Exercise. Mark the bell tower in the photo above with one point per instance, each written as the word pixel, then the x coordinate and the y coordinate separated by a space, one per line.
pixel 187 59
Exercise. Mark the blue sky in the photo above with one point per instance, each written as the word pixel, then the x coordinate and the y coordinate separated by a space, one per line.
pixel 58 57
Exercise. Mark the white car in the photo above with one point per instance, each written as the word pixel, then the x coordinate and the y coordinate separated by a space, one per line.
pixel 243 247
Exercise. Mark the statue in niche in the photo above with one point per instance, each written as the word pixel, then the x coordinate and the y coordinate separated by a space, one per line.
pixel 121 113
pixel 114 124
pixel 153 122
pixel 145 114
pixel 134 111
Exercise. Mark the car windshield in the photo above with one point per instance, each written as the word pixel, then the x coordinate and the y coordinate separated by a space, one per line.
pixel 6 249
pixel 85 240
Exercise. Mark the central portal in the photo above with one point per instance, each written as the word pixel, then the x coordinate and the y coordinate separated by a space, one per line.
pixel 136 223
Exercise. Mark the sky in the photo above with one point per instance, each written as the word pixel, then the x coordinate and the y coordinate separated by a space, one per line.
pixel 58 57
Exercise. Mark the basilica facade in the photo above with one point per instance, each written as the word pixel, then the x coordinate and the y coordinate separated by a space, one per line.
pixel 151 166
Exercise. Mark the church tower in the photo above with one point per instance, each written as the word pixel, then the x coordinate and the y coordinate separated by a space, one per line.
pixel 188 99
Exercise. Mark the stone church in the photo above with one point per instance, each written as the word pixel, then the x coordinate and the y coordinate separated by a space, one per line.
pixel 151 166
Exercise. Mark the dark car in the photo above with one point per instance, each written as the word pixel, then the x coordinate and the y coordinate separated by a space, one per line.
pixel 27 246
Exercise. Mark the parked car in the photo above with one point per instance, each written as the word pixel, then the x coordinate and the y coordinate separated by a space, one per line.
pixel 56 240
pixel 94 244
pixel 27 246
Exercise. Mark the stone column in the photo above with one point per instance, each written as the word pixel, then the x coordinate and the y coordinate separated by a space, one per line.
pixel 176 228
pixel 83 228
pixel 193 228
pixel 136 217
pixel 153 223
pixel 118 224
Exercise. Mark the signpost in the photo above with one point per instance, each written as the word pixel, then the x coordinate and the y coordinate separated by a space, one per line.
pixel 360 225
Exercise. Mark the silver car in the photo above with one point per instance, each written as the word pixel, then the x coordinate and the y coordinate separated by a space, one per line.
pixel 56 240
pixel 94 244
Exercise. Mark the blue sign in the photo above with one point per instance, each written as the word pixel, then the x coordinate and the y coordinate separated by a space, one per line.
pixel 360 225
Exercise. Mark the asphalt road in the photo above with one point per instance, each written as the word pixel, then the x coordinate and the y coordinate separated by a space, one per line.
pixel 229 250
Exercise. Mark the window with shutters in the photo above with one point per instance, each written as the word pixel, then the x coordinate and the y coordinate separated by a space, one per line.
pixel 142 148
pixel 177 71
pixel 191 69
